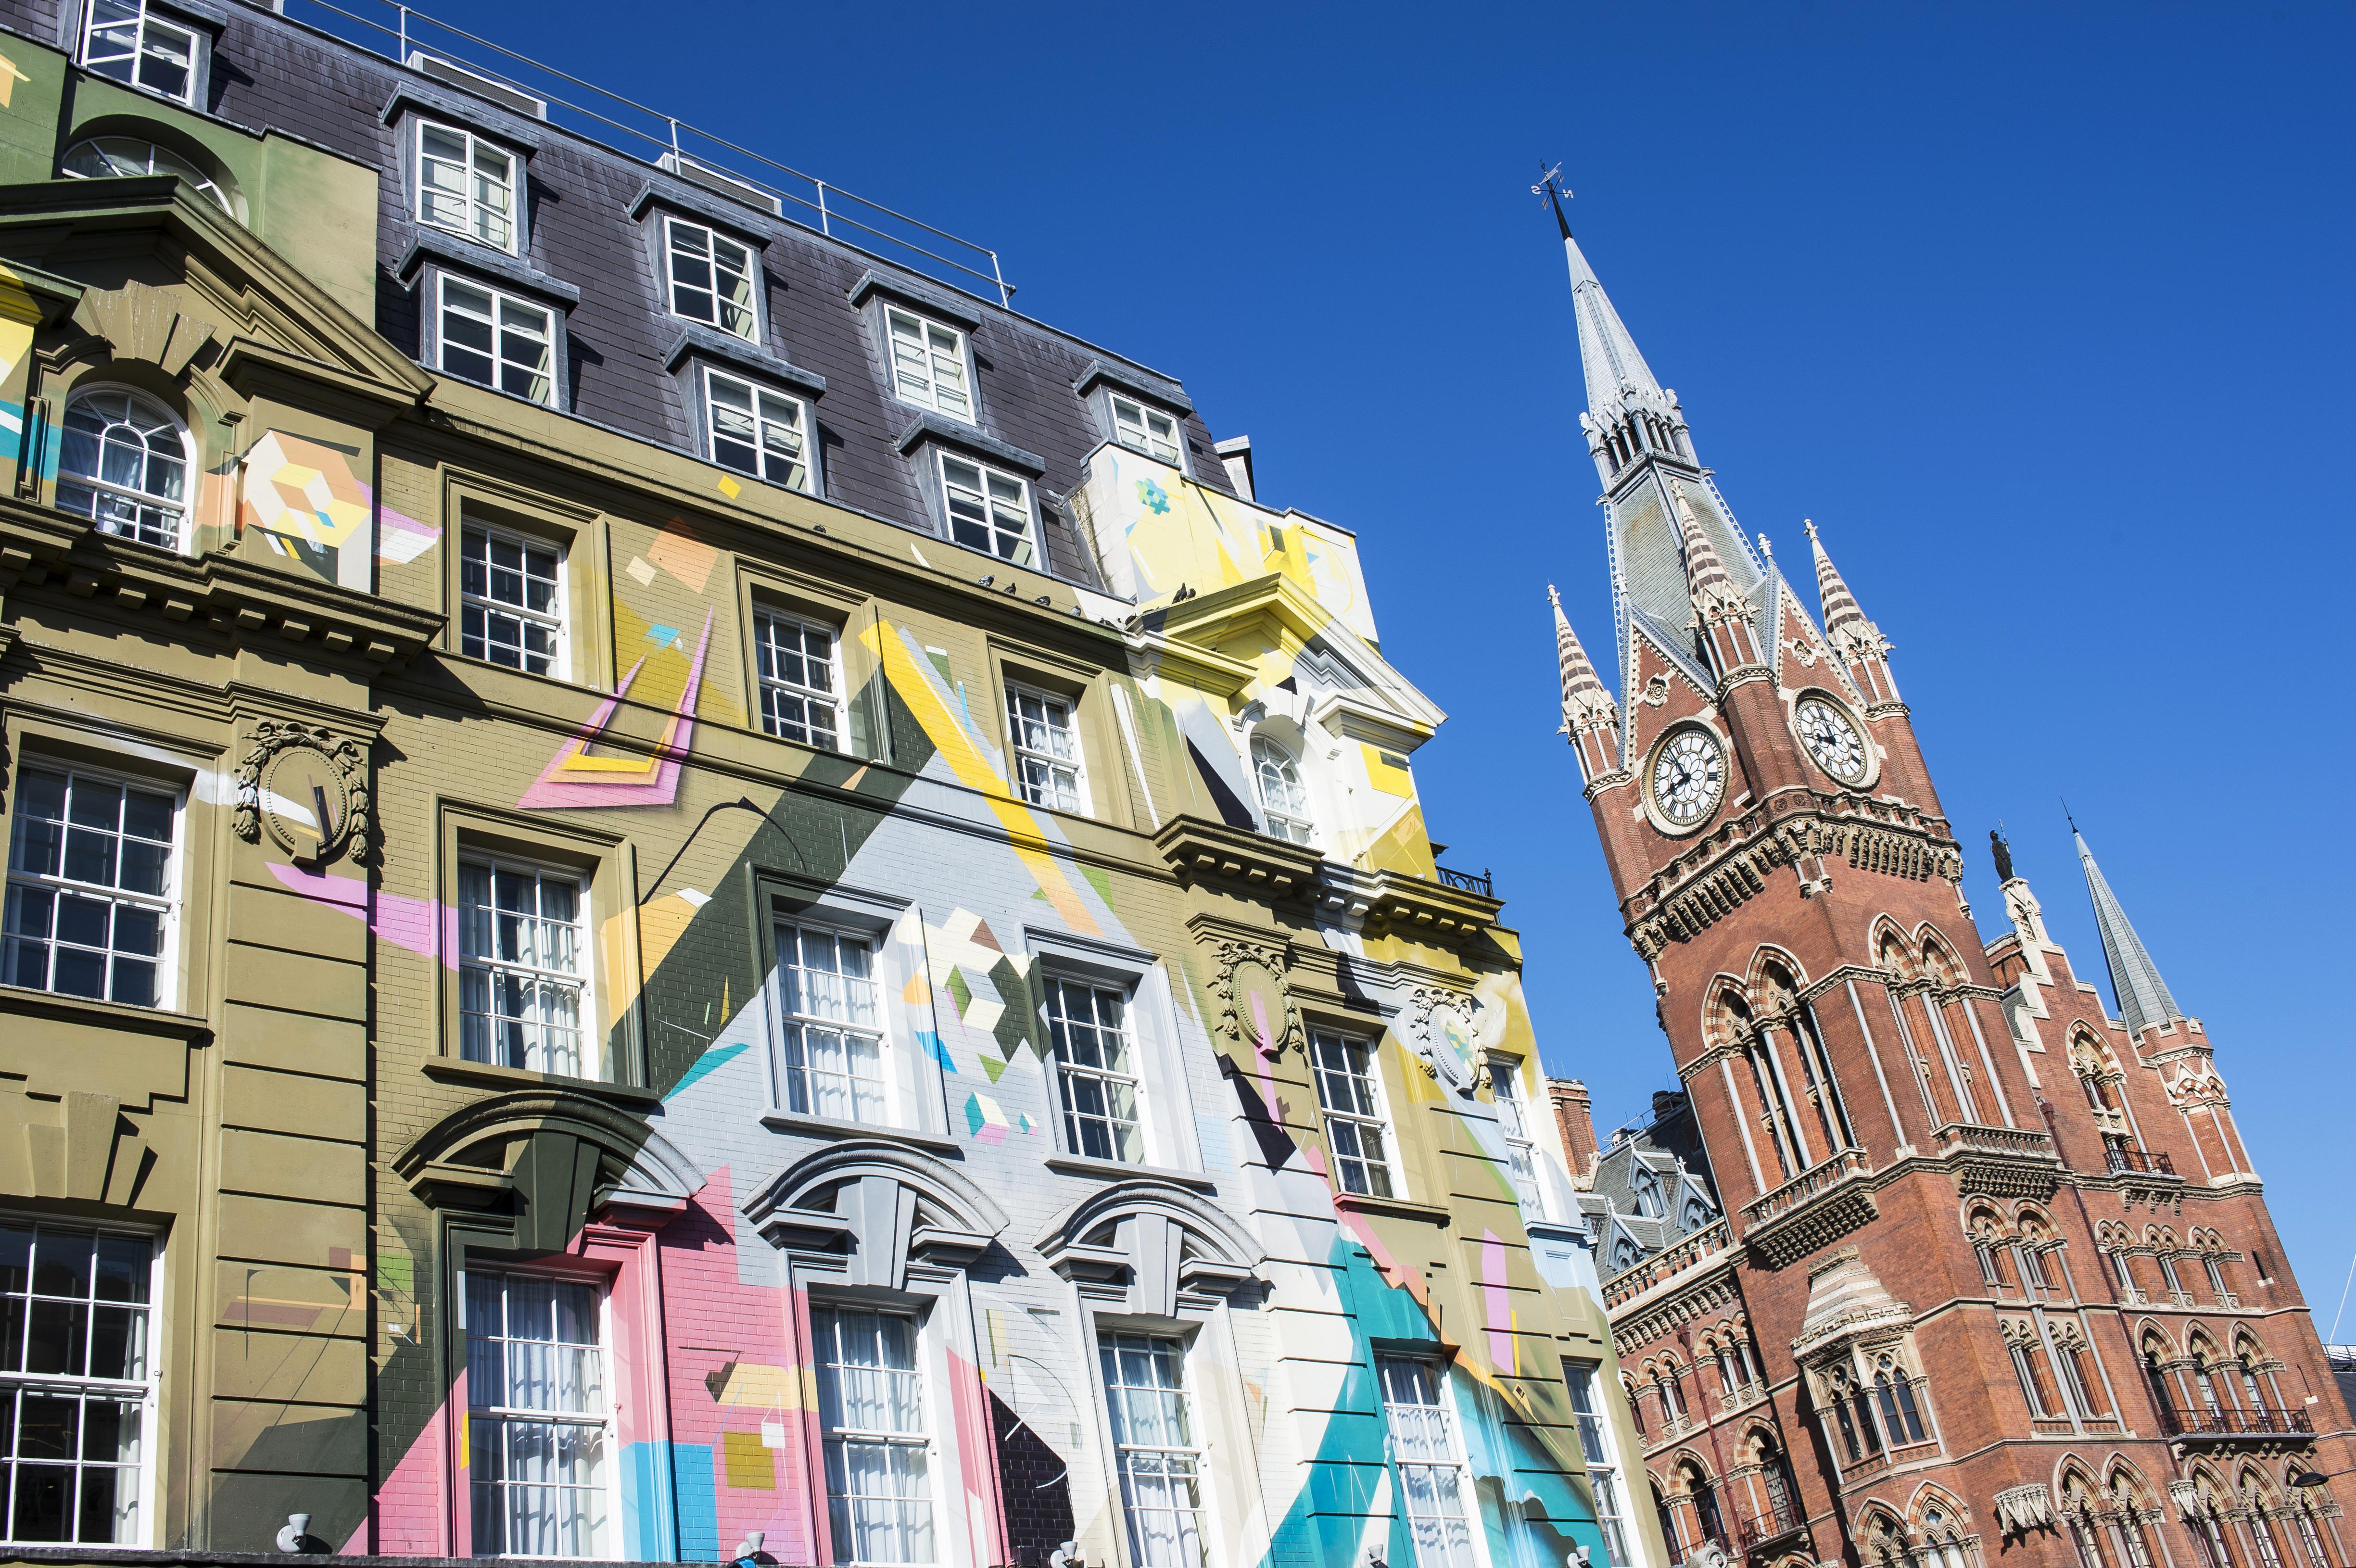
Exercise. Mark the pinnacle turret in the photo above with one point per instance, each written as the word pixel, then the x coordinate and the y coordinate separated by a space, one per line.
pixel 2142 996
pixel 1856 641
pixel 1721 613
pixel 1590 719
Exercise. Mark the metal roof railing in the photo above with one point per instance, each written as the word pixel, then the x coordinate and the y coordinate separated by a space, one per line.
pixel 413 39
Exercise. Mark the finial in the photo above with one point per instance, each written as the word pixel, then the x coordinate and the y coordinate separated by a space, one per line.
pixel 1552 597
pixel 2066 816
pixel 1551 191
pixel 1809 524
pixel 1766 547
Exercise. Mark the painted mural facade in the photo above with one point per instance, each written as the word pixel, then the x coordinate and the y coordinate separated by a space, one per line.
pixel 659 1011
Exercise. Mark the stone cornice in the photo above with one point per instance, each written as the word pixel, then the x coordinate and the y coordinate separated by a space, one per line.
pixel 1725 868
pixel 240 601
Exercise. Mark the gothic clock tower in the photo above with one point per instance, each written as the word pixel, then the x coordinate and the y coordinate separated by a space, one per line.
pixel 2011 1282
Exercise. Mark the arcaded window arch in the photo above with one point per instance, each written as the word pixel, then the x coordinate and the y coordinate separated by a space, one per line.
pixel 1692 1483
pixel 1989 1244
pixel 1895 953
pixel 125 463
pixel 2082 1516
pixel 1942 1536
pixel 2260 1504
pixel 1940 964
pixel 2133 1511
pixel 1644 1189
pixel 1284 798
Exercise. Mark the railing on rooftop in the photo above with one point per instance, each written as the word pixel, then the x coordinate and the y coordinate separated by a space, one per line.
pixel 1465 881
pixel 1631 1282
pixel 426 44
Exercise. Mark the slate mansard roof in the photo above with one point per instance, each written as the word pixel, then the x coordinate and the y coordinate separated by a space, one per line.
pixel 581 234
pixel 1665 1156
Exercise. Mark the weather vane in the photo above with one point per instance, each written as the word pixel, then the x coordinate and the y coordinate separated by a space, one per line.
pixel 1546 178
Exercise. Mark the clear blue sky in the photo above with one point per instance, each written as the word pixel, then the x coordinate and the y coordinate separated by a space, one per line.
pixel 2043 317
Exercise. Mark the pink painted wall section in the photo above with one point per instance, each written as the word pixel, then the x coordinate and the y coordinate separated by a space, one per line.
pixel 734 1372
pixel 977 1456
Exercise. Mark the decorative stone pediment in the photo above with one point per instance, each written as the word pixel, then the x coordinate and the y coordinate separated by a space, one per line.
pixel 1149 1241
pixel 881 1205
pixel 140 321
pixel 551 1159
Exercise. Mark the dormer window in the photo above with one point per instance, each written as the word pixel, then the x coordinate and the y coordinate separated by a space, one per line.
pixel 756 431
pixel 466 184
pixel 989 511
pixel 131 42
pixel 711 279
pixel 1146 430
pixel 928 366
pixel 1645 1188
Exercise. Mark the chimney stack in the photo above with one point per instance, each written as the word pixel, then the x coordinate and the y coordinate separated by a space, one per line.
pixel 1574 1115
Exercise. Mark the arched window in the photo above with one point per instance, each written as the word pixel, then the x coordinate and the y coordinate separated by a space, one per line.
pixel 1644 1185
pixel 111 157
pixel 124 465
pixel 1626 1254
pixel 1895 1391
pixel 2128 1511
pixel 1673 1398
pixel 1283 800
pixel 1697 1214
pixel 1704 1499
pixel 2078 1512
pixel 1635 1406
pixel 1943 1542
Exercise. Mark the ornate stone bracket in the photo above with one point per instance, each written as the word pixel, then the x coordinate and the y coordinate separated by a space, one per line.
pixel 2019 1509
pixel 1430 1011
pixel 1256 1005
pixel 288 772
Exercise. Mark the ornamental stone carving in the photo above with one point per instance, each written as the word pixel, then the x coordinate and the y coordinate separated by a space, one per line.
pixel 308 790
pixel 1255 1006
pixel 1443 1029
pixel 2019 1509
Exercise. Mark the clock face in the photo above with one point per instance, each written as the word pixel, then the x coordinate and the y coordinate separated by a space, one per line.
pixel 1831 739
pixel 1690 777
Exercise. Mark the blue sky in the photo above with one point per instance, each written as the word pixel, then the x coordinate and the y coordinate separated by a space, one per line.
pixel 2042 316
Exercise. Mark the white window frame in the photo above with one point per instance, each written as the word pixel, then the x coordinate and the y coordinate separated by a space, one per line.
pixel 602 1422
pixel 166 905
pixel 1513 1121
pixel 1282 822
pixel 759 405
pixel 557 618
pixel 827 696
pixel 144 1389
pixel 1418 1454
pixel 791 1022
pixel 1601 1447
pixel 923 390
pixel 145 22
pixel 475 208
pixel 1128 1459
pixel 979 496
pixel 1359 1119
pixel 105 491
pixel 1142 437
pixel 1068 1071
pixel 747 272
pixel 1050 794
pixel 500 302
pixel 923 1443
pixel 582 977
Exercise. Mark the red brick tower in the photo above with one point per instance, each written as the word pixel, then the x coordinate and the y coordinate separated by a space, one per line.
pixel 2003 1263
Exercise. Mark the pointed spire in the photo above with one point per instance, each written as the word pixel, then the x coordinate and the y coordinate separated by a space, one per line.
pixel 1590 719
pixel 1858 641
pixel 1629 413
pixel 2142 996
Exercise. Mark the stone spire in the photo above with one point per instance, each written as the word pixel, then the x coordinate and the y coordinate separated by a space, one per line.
pixel 2142 996
pixel 1629 413
pixel 1721 613
pixel 1590 719
pixel 1856 641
